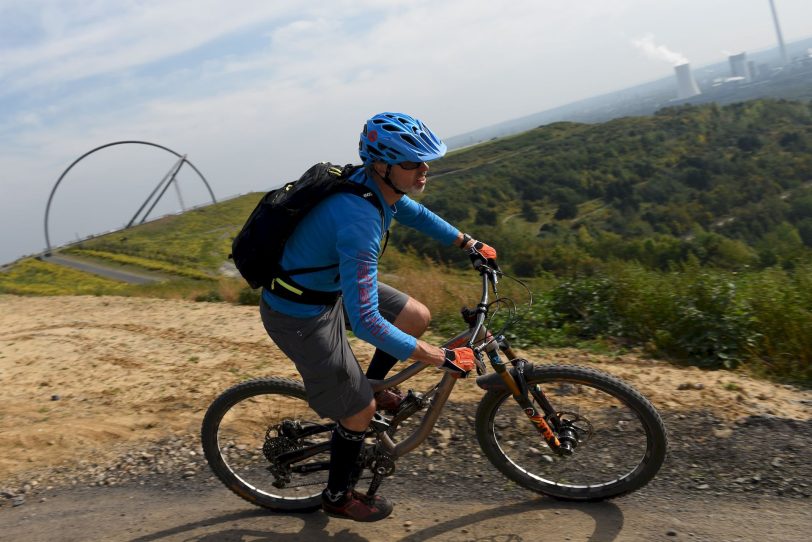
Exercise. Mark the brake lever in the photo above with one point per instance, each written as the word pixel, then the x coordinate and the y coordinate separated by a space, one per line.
pixel 480 364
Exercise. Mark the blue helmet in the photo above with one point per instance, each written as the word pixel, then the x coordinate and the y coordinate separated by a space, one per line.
pixel 395 137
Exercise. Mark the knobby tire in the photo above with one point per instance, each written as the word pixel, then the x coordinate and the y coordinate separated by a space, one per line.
pixel 233 435
pixel 627 446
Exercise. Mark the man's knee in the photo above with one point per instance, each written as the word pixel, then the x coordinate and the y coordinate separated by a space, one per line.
pixel 414 319
pixel 360 420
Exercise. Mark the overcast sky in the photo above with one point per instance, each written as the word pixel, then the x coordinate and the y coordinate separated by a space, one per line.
pixel 255 91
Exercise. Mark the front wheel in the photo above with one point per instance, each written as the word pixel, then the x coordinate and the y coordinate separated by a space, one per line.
pixel 621 445
pixel 246 432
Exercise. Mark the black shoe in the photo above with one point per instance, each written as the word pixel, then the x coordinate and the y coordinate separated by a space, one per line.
pixel 357 507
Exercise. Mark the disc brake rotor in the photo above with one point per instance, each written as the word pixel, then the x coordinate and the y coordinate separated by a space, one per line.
pixel 582 427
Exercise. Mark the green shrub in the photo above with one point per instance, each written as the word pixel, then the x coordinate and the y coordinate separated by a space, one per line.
pixel 708 324
pixel 781 305
pixel 212 296
pixel 695 316
pixel 247 296
pixel 587 306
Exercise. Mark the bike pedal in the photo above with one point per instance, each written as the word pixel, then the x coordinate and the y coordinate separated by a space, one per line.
pixel 410 404
pixel 379 424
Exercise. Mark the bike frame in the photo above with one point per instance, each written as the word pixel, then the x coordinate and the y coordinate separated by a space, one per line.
pixel 478 333
pixel 438 395
pixel 438 398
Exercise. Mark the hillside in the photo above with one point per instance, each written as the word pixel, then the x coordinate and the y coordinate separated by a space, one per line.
pixel 686 234
pixel 188 251
pixel 731 186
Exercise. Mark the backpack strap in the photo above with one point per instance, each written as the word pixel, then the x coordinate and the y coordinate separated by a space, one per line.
pixel 290 290
pixel 287 288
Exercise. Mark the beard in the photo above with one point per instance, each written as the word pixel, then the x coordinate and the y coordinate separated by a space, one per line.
pixel 415 190
pixel 412 190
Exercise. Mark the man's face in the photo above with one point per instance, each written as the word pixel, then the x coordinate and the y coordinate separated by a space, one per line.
pixel 409 177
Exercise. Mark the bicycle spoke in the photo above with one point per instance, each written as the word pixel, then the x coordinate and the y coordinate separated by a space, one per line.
pixel 619 439
pixel 615 448
pixel 249 437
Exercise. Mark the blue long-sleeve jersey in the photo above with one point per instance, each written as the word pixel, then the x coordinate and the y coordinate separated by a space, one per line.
pixel 346 230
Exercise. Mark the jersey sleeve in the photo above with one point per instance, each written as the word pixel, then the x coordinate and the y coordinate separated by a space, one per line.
pixel 417 216
pixel 358 244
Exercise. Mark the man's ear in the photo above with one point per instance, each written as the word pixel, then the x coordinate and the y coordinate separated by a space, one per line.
pixel 379 167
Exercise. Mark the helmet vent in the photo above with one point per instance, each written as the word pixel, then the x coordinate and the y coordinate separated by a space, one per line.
pixel 408 139
pixel 397 137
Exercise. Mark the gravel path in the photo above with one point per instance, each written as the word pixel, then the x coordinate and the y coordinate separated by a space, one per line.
pixel 102 270
pixel 716 477
pixel 763 456
pixel 112 390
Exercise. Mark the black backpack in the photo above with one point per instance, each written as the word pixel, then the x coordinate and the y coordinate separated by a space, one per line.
pixel 257 248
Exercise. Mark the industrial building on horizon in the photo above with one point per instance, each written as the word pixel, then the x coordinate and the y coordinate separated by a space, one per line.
pixel 686 84
pixel 742 70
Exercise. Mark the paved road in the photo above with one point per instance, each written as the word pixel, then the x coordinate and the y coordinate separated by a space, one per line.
pixel 206 513
pixel 101 270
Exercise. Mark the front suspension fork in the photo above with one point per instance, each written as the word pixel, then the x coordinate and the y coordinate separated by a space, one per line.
pixel 565 442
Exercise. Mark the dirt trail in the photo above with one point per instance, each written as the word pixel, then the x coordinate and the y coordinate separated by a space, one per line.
pixel 95 377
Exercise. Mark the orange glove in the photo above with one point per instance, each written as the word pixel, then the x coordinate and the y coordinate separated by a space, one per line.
pixel 486 251
pixel 480 253
pixel 458 361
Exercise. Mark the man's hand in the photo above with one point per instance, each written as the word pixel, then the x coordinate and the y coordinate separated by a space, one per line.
pixel 480 253
pixel 458 361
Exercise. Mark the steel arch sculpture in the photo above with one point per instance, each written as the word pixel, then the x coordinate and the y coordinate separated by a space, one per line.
pixel 182 161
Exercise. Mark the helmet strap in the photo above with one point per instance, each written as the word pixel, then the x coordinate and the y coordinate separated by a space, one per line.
pixel 389 182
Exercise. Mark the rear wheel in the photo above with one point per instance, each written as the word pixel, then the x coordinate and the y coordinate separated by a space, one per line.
pixel 250 426
pixel 621 438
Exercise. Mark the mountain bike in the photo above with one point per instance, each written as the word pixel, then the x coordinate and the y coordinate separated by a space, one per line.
pixel 569 432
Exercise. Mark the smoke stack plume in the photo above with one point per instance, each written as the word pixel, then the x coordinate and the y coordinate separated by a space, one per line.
pixel 686 85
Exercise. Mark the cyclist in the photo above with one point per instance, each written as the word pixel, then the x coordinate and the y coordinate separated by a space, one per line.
pixel 343 229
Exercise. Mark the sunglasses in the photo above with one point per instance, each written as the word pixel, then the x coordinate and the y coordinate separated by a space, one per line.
pixel 410 165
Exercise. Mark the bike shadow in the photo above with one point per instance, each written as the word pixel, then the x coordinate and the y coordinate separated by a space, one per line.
pixel 607 516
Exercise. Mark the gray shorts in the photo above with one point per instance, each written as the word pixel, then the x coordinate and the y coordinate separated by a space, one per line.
pixel 334 381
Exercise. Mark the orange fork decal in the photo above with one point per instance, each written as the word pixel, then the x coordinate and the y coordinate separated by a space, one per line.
pixel 543 427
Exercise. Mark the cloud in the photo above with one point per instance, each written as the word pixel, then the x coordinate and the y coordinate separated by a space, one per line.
pixel 69 43
pixel 658 52
pixel 254 90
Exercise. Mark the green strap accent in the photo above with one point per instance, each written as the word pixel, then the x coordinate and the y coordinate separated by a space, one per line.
pixel 286 286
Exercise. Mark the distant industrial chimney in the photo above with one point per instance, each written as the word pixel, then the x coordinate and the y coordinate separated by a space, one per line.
pixel 784 57
pixel 753 69
pixel 739 66
pixel 686 86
